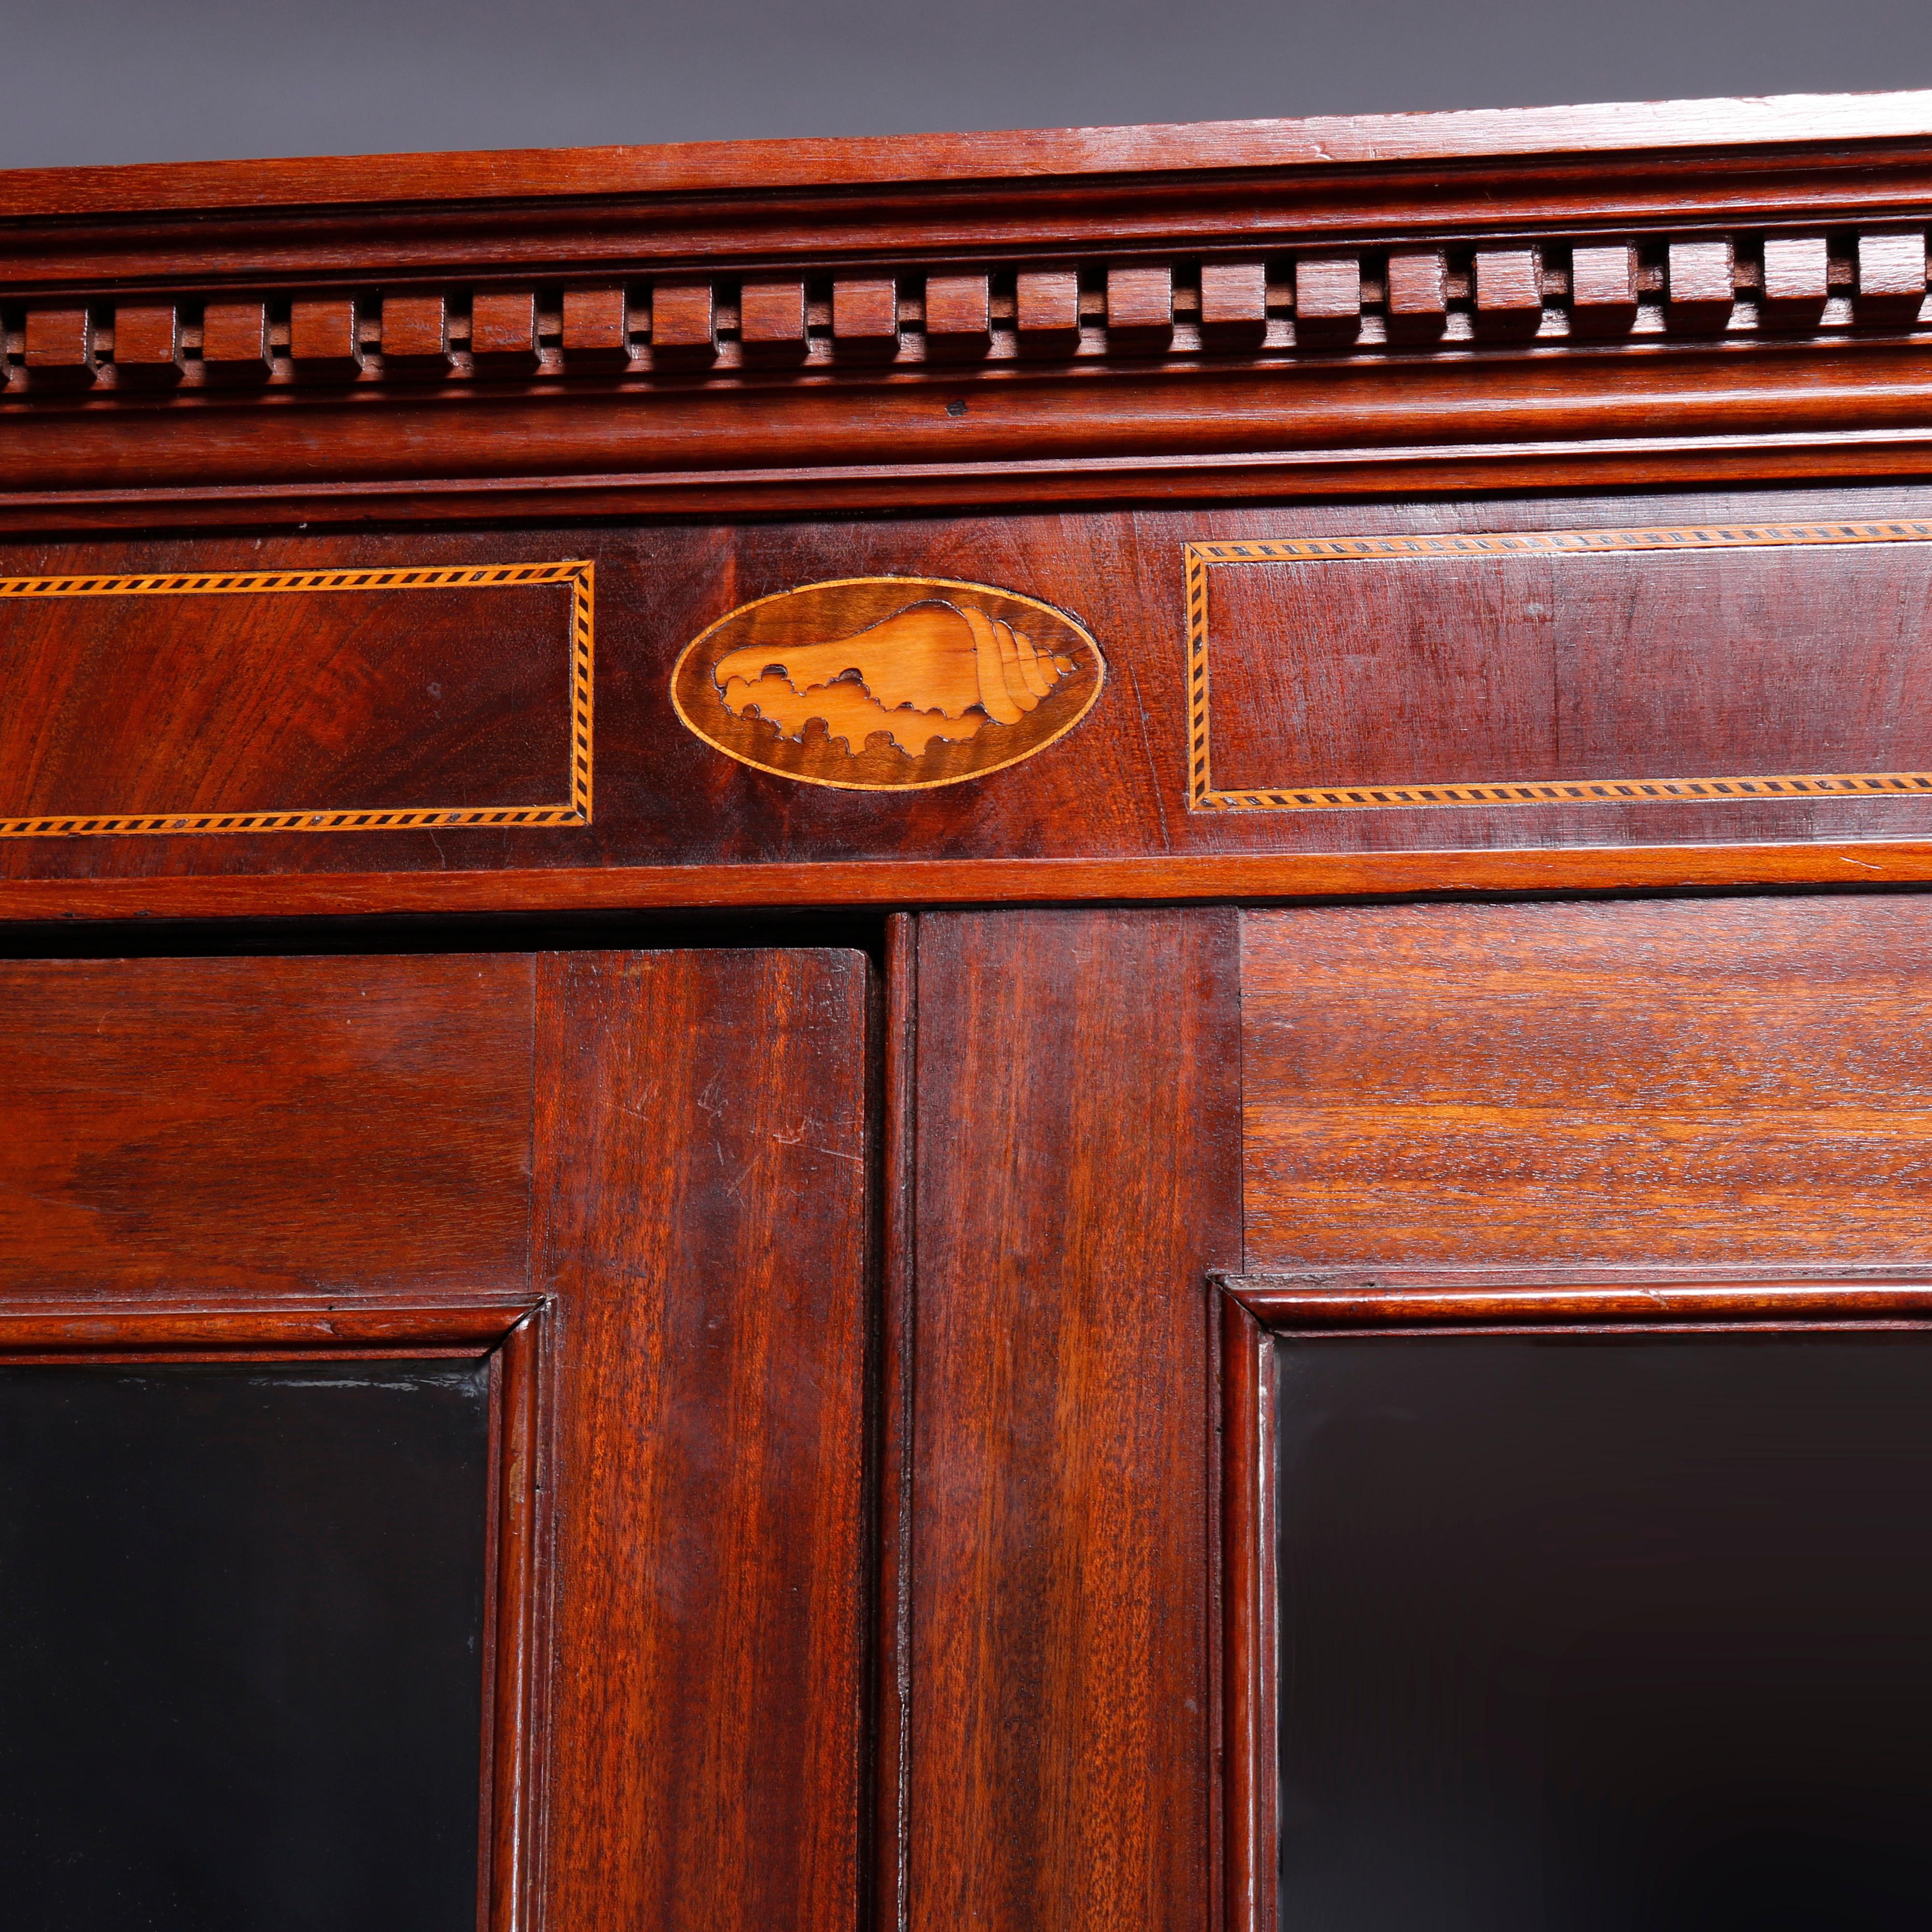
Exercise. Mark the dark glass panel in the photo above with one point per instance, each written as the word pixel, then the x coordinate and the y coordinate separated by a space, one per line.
pixel 1590 1635
pixel 241 1621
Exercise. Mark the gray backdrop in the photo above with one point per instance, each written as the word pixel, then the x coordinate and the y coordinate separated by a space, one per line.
pixel 126 80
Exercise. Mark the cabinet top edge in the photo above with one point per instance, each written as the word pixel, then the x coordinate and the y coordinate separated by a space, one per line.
pixel 1678 131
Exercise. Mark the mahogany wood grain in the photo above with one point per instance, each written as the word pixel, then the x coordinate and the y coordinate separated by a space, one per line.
pixel 958 317
pixel 124 1323
pixel 147 343
pixel 771 321
pixel 1327 300
pixel 517 1694
pixel 1102 811
pixel 415 336
pixel 1597 415
pixel 153 700
pixel 1256 1291
pixel 1018 882
pixel 1723 1081
pixel 1657 166
pixel 503 330
pixel 293 1160
pixel 1078 1074
pixel 300 230
pixel 1047 311
pixel 264 1125
pixel 891 1725
pixel 705 1223
pixel 1679 664
pixel 1891 275
pixel 1499 294
pixel 235 346
pixel 1885 123
pixel 325 337
pixel 1509 292
pixel 1410 1299
pixel 1248 1688
pixel 1699 284
pixel 1417 298
pixel 1234 303
pixel 52 906
pixel 1140 308
pixel 1603 288
pixel 684 324
pixel 57 345
pixel 1461 657
pixel 865 318
pixel 1797 280
pixel 1283 472
pixel 596 328
pixel 223 1159
pixel 1207 146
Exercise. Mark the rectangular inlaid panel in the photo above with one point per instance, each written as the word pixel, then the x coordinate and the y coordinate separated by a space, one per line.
pixel 1655 665
pixel 1722 1082
pixel 295 700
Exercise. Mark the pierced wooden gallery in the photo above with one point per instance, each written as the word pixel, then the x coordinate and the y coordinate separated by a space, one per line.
pixel 1017 1032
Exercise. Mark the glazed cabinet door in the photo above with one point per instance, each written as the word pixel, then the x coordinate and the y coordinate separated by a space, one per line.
pixel 431 1454
pixel 1419 1418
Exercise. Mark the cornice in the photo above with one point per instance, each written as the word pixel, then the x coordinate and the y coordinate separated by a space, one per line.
pixel 1657 127
pixel 1449 300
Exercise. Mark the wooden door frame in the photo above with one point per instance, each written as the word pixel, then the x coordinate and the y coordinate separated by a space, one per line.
pixel 1254 1310
pixel 512 1334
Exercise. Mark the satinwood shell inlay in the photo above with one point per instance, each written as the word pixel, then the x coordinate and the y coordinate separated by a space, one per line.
pixel 888 683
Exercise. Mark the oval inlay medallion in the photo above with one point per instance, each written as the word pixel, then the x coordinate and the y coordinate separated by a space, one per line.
pixel 887 683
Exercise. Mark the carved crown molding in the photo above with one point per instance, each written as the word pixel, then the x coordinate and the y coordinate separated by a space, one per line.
pixel 1414 301
pixel 1254 307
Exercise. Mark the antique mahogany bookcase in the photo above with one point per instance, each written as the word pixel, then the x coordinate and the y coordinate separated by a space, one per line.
pixel 1022 1031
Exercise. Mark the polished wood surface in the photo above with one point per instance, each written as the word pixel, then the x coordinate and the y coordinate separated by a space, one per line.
pixel 1108 808
pixel 1722 1080
pixel 1574 1297
pixel 1014 536
pixel 270 1160
pixel 706 1224
pixel 896 1071
pixel 1450 301
pixel 1654 665
pixel 1078 1074
pixel 1210 147
pixel 559 1158
pixel 47 907
pixel 318 448
pixel 264 1126
pixel 1249 1689
pixel 275 700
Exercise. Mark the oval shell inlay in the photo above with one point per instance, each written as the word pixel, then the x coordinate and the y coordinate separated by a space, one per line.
pixel 887 683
